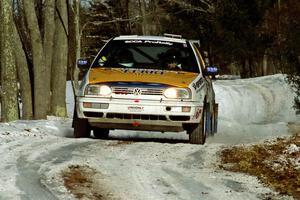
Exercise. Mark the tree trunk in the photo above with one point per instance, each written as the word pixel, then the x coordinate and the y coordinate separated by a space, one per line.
pixel 125 26
pixel 23 76
pixel 0 56
pixel 145 24
pixel 244 71
pixel 9 100
pixel 74 43
pixel 60 62
pixel 265 65
pixel 250 66
pixel 39 69
pixel 49 29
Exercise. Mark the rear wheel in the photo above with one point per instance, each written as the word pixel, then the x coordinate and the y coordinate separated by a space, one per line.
pixel 197 134
pixel 101 133
pixel 82 127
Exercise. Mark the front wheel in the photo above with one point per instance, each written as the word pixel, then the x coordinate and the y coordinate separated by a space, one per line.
pixel 81 127
pixel 197 134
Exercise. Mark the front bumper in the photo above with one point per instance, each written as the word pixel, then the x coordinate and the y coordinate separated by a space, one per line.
pixel 139 114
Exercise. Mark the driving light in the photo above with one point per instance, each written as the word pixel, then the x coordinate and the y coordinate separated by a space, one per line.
pixel 177 93
pixel 99 90
pixel 170 93
pixel 105 90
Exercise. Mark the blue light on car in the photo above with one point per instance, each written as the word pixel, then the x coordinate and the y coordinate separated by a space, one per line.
pixel 212 69
pixel 82 62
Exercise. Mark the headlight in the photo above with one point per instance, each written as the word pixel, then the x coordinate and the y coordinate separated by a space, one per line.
pixel 177 93
pixel 99 90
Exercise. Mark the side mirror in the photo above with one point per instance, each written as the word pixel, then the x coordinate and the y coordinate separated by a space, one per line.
pixel 211 71
pixel 83 64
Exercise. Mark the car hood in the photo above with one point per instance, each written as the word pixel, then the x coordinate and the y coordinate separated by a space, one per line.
pixel 173 78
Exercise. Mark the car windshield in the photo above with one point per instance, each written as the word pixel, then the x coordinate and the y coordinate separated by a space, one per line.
pixel 147 54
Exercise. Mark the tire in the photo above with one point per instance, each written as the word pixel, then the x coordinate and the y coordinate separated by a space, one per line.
pixel 197 134
pixel 81 127
pixel 101 133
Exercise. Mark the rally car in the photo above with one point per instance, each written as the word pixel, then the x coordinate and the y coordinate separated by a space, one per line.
pixel 153 83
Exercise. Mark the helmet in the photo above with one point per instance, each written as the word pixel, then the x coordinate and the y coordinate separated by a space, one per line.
pixel 172 55
pixel 125 58
pixel 172 59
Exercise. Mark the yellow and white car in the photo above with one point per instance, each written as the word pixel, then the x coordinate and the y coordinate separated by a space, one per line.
pixel 154 83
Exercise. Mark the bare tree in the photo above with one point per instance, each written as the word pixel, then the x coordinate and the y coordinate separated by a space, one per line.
pixel 74 42
pixel 23 76
pixel 60 61
pixel 49 30
pixel 40 49
pixel 145 25
pixel 208 6
pixel 9 100
pixel 39 68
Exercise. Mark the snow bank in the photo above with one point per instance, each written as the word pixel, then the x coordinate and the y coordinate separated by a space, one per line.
pixel 257 106
pixel 256 101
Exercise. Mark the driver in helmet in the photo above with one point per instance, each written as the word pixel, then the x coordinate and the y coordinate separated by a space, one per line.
pixel 172 59
pixel 125 58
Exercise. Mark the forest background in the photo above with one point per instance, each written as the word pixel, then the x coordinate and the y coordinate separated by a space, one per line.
pixel 40 41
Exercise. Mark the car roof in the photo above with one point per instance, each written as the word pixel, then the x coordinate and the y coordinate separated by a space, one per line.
pixel 156 38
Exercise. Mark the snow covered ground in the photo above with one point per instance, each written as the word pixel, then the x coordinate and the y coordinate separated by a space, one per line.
pixel 253 109
pixel 147 165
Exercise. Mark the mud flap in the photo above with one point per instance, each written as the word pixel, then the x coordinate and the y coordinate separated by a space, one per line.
pixel 215 120
pixel 209 129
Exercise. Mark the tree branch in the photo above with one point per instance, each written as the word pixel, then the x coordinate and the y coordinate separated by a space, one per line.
pixel 189 7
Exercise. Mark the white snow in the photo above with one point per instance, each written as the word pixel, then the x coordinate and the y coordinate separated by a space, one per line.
pixel 293 148
pixel 253 109
pixel 33 153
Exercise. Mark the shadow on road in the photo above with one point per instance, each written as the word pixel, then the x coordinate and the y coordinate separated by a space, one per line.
pixel 157 140
pixel 148 136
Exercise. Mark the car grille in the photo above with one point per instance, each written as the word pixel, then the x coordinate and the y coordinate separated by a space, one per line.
pixel 135 116
pixel 143 91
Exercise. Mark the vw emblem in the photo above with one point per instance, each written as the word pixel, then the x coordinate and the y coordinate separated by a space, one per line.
pixel 137 91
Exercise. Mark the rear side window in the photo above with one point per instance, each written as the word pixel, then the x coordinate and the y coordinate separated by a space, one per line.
pixel 147 54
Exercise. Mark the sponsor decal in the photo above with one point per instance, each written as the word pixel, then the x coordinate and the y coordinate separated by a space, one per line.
pixel 136 108
pixel 198 84
pixel 143 71
pixel 133 41
pixel 148 42
pixel 158 42
pixel 197 113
